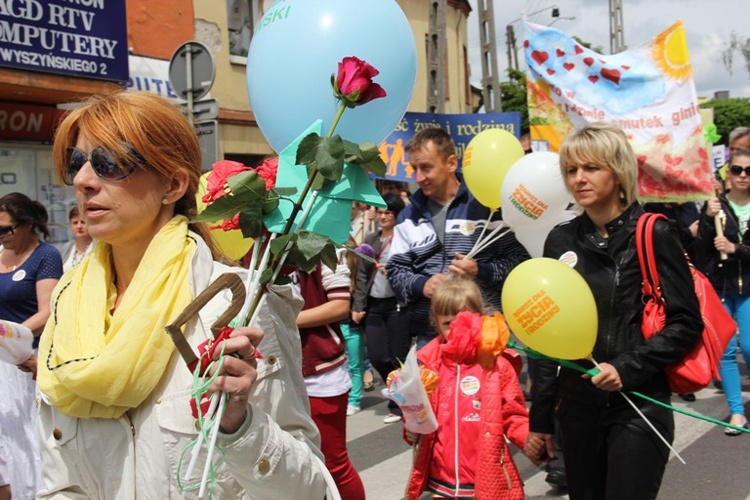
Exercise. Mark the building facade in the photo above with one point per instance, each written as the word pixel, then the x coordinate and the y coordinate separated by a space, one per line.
pixel 55 53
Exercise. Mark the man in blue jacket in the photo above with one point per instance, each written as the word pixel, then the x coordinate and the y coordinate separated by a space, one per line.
pixel 434 233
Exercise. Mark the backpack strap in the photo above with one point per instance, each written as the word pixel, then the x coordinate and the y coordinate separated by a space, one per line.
pixel 644 245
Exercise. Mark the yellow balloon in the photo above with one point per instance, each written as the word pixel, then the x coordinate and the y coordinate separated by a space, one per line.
pixel 232 243
pixel 487 159
pixel 550 308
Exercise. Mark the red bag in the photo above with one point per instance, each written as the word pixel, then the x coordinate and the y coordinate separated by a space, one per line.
pixel 700 365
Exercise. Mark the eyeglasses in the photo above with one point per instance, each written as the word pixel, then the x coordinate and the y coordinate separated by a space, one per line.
pixel 104 165
pixel 738 169
pixel 6 230
pixel 386 213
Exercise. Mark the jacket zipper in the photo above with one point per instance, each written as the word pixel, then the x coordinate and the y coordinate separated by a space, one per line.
pixel 505 470
pixel 455 426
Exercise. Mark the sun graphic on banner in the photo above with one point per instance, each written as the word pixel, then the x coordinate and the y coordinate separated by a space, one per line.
pixel 670 53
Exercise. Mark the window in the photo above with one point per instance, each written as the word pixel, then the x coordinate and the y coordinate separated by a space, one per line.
pixel 242 18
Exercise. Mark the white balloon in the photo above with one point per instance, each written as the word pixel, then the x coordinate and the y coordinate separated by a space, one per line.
pixel 533 192
pixel 533 237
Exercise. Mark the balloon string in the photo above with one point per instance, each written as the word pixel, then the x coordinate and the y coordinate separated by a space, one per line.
pixel 481 235
pixel 483 243
pixel 593 371
pixel 640 413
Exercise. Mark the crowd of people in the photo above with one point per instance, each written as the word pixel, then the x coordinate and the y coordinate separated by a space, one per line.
pixel 113 411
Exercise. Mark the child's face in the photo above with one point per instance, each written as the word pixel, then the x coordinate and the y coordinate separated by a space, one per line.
pixel 444 324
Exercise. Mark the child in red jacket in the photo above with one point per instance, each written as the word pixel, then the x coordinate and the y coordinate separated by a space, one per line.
pixel 477 401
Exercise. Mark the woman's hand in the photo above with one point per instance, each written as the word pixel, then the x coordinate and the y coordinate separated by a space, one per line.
pixel 539 447
pixel 722 244
pixel 358 316
pixel 29 366
pixel 607 379
pixel 412 437
pixel 237 375
pixel 713 206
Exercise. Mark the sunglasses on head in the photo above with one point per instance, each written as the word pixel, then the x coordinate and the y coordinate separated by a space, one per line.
pixel 103 163
pixel 6 230
pixel 738 169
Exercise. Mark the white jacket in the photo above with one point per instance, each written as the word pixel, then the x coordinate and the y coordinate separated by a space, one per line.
pixel 136 456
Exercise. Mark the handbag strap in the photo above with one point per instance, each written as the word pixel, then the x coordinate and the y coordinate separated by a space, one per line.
pixel 644 245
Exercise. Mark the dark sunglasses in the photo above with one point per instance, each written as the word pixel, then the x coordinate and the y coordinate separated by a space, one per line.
pixel 6 230
pixel 737 170
pixel 104 165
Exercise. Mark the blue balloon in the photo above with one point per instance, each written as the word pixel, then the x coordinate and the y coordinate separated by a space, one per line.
pixel 297 47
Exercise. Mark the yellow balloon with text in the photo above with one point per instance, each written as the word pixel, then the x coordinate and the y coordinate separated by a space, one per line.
pixel 550 308
pixel 232 243
pixel 486 160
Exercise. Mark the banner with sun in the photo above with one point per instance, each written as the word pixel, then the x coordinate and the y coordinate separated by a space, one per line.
pixel 647 90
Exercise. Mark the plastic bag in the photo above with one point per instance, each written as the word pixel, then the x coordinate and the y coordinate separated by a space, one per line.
pixel 408 391
pixel 15 342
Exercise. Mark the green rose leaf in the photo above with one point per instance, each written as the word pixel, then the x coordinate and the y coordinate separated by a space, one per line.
pixel 223 208
pixel 328 256
pixel 325 153
pixel 366 155
pixel 251 222
pixel 282 279
pixel 266 275
pixel 311 244
pixel 279 243
pixel 248 186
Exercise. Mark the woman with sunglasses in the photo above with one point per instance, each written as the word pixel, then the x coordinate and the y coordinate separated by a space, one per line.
pixel 115 413
pixel 726 261
pixel 29 270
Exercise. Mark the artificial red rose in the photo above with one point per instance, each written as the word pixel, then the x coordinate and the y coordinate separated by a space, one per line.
pixel 354 85
pixel 216 181
pixel 464 337
pixel 267 170
pixel 229 224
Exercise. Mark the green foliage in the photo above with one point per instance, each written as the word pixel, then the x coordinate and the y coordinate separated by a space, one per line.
pixel 514 98
pixel 729 114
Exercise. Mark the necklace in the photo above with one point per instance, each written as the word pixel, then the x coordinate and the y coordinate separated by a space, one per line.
pixel 20 258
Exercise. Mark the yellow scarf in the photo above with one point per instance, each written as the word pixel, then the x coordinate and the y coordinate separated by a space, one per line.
pixel 92 365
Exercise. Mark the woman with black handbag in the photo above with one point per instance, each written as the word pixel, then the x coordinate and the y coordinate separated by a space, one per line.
pixel 610 451
pixel 726 262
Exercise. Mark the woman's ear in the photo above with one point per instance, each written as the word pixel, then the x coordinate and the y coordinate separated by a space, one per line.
pixel 177 187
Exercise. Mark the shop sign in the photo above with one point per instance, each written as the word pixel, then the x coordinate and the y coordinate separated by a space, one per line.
pixel 28 123
pixel 83 38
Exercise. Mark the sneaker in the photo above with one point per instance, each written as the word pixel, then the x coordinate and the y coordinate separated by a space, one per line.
pixel 352 410
pixel 392 418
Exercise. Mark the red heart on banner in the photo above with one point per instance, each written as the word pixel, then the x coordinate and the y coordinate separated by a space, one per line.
pixel 569 66
pixel 579 50
pixel 612 75
pixel 550 71
pixel 539 57
pixel 526 44
pixel 560 53
pixel 588 61
pixel 593 78
pixel 625 67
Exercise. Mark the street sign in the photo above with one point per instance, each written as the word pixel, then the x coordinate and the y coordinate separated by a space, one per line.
pixel 207 109
pixel 208 135
pixel 191 71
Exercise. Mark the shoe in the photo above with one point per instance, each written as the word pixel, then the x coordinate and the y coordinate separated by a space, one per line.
pixel 689 397
pixel 367 381
pixel 728 431
pixel 352 410
pixel 557 477
pixel 392 418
